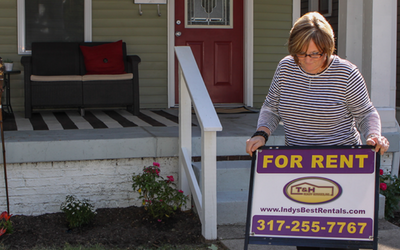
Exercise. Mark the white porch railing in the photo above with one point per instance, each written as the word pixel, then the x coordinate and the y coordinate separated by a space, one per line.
pixel 192 90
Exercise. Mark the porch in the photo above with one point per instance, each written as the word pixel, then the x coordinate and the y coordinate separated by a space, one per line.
pixel 150 140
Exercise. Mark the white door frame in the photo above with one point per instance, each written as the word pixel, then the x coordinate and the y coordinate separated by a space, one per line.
pixel 247 50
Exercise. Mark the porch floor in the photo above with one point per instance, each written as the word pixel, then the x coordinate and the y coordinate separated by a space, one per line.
pixel 127 142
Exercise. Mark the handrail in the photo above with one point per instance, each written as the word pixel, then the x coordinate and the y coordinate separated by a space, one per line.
pixel 192 90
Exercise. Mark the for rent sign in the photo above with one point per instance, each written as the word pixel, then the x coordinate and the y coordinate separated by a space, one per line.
pixel 314 193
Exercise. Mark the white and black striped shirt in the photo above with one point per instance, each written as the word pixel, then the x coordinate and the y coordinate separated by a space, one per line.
pixel 329 108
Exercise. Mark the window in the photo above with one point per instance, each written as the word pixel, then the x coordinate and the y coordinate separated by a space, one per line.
pixel 322 6
pixel 208 14
pixel 325 7
pixel 53 21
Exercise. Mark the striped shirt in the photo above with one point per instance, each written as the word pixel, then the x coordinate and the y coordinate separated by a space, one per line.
pixel 329 108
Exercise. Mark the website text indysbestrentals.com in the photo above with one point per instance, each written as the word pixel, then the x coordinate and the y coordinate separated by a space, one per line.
pixel 303 210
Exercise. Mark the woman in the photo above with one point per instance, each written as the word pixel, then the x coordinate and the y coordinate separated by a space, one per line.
pixel 320 98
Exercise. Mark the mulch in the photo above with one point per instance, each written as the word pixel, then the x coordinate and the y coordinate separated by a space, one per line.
pixel 125 228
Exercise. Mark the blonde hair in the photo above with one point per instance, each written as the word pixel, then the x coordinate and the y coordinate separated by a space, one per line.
pixel 311 26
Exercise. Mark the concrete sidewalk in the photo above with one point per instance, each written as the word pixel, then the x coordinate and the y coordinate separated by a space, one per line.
pixel 232 236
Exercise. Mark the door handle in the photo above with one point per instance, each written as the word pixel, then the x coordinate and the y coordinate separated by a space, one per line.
pixel 178 34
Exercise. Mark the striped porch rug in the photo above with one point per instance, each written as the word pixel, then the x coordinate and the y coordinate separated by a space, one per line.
pixel 93 119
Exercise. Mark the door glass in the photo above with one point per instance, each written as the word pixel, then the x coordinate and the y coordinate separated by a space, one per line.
pixel 208 13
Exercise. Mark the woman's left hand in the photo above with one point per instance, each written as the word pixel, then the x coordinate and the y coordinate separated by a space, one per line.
pixel 380 143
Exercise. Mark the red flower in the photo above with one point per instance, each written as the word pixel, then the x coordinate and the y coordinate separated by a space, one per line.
pixel 151 170
pixel 156 164
pixel 170 178
pixel 4 215
pixel 383 186
pixel 2 231
pixel 381 171
pixel 180 191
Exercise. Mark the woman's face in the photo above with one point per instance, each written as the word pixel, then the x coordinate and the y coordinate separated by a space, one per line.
pixel 309 64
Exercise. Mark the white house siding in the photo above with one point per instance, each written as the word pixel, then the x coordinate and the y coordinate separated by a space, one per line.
pixel 272 23
pixel 39 188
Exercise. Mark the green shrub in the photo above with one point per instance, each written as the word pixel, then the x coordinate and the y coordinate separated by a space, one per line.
pixel 390 188
pixel 159 196
pixel 78 213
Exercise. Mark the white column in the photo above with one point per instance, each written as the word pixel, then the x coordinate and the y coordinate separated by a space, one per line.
pixel 185 133
pixel 383 73
pixel 209 183
pixel 350 32
pixel 367 38
pixel 383 61
pixel 248 52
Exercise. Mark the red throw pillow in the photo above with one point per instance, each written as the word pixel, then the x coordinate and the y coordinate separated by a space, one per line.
pixel 104 59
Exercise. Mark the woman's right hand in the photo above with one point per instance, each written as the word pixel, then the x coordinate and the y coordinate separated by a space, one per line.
pixel 254 143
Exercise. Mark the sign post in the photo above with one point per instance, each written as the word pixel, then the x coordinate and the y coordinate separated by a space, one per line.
pixel 314 196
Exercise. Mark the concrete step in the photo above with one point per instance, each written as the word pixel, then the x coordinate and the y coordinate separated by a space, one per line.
pixel 233 179
pixel 232 207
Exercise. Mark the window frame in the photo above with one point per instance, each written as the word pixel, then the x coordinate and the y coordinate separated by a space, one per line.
pixel 313 5
pixel 196 26
pixel 21 25
pixel 329 10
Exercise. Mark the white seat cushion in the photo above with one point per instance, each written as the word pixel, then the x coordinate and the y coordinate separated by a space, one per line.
pixel 126 76
pixel 62 78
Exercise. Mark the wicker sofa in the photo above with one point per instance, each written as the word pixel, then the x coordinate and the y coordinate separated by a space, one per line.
pixel 80 75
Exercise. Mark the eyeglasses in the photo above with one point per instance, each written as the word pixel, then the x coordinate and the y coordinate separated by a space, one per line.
pixel 312 55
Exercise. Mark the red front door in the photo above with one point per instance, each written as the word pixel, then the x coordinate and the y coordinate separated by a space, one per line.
pixel 214 31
